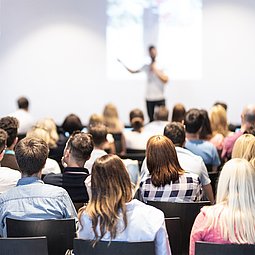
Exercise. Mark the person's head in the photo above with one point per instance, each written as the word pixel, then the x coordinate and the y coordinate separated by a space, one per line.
pixel 111 117
pixel 193 121
pixel 40 133
pixel 31 155
pixel 10 125
pixel 240 145
pixel 218 119
pixel 222 104
pixel 3 141
pixel 249 154
pixel 162 161
pixel 99 133
pixel 110 191
pixel 72 123
pixel 205 132
pixel 78 148
pixel 178 113
pixel 23 103
pixel 161 113
pixel 95 119
pixel 250 130
pixel 152 52
pixel 248 117
pixel 136 118
pixel 175 131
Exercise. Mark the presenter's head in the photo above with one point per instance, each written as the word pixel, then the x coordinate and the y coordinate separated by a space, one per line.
pixel 152 52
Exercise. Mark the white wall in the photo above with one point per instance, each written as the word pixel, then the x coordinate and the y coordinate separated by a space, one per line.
pixel 53 52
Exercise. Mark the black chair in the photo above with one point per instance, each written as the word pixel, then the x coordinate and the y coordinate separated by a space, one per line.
pixel 173 227
pixel 214 176
pixel 83 247
pixel 23 246
pixel 206 248
pixel 187 213
pixel 60 233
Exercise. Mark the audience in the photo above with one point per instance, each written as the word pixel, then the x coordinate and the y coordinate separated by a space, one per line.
pixel 31 199
pixel 10 125
pixel 112 215
pixel 250 152
pixel 8 177
pixel 205 132
pixel 231 219
pixel 77 151
pixel 167 180
pixel 178 113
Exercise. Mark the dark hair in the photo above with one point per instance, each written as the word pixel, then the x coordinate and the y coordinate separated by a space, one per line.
pixel 161 113
pixel 250 130
pixel 206 130
pixel 193 121
pixel 224 105
pixel 176 133
pixel 80 145
pixel 10 125
pixel 31 155
pixel 23 103
pixel 136 118
pixel 178 113
pixel 3 138
pixel 151 47
pixel 99 133
pixel 72 123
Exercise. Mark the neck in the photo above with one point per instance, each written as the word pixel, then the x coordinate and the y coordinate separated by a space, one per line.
pixel 190 136
pixel 76 164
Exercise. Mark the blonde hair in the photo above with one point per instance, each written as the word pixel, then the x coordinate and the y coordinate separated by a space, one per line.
pixel 240 145
pixel 218 119
pixel 250 152
pixel 111 118
pixel 40 133
pixel 235 203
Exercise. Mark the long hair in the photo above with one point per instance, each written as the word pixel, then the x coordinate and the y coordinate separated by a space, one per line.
pixel 162 161
pixel 250 152
pixel 110 191
pixel 240 145
pixel 235 203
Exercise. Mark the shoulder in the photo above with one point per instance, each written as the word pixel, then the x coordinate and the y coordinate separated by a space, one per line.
pixel 49 178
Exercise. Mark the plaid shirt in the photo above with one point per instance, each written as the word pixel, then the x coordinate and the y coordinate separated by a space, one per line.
pixel 187 189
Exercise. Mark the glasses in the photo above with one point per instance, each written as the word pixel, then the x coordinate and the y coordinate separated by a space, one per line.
pixel 3 150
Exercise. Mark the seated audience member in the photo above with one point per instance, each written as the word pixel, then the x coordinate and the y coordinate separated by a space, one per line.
pixel 167 180
pixel 136 139
pixel 241 144
pixel 250 152
pixel 178 113
pixel 10 125
pixel 112 215
pixel 51 165
pixel 193 123
pixel 99 133
pixel 31 199
pixel 231 219
pixel 77 151
pixel 115 127
pixel 205 132
pixel 8 177
pixel 156 127
pixel 23 116
pixel 247 120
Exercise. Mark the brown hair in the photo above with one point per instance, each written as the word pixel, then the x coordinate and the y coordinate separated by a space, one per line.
pixel 110 191
pixel 178 114
pixel 10 125
pixel 99 133
pixel 3 138
pixel 162 161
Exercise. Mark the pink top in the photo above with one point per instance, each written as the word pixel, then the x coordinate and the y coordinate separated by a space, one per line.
pixel 201 233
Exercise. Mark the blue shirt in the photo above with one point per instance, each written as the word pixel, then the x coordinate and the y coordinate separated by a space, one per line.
pixel 31 199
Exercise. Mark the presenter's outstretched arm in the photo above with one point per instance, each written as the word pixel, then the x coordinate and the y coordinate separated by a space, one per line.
pixel 130 70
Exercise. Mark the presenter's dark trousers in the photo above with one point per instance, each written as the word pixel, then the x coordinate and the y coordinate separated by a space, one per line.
pixel 151 107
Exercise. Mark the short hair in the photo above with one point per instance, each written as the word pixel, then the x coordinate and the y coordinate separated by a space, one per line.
pixel 72 123
pixel 99 133
pixel 23 103
pixel 178 113
pixel 193 121
pixel 80 145
pixel 161 113
pixel 248 115
pixel 250 130
pixel 10 125
pixel 151 47
pixel 175 131
pixel 31 155
pixel 95 119
pixel 136 118
pixel 3 138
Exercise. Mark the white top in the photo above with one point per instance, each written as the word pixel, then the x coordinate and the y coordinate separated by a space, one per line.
pixel 51 166
pixel 135 140
pixel 155 87
pixel 25 120
pixel 8 178
pixel 145 223
pixel 156 127
pixel 96 153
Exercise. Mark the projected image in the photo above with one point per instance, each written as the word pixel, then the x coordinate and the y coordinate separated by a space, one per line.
pixel 173 26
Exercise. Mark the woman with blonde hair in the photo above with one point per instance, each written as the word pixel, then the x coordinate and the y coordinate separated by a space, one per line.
pixel 249 154
pixel 231 219
pixel 167 180
pixel 112 215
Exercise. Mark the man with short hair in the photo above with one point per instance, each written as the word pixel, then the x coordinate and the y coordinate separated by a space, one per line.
pixel 77 151
pixel 10 125
pixel 31 199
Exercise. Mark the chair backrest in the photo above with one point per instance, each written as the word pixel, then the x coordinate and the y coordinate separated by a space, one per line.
pixel 187 213
pixel 214 176
pixel 202 248
pixel 23 246
pixel 173 227
pixel 59 232
pixel 83 247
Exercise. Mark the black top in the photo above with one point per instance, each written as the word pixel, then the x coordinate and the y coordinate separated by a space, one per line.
pixel 72 180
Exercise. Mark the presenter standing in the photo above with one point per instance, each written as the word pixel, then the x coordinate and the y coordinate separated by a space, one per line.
pixel 156 81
